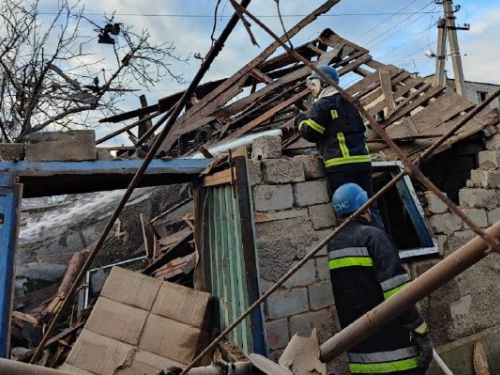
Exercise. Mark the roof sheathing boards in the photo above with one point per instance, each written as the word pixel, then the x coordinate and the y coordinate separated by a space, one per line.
pixel 413 112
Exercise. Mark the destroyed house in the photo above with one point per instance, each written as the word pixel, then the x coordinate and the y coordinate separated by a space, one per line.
pixel 259 204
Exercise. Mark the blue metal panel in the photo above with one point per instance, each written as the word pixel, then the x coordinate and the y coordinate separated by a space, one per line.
pixel 9 218
pixel 53 178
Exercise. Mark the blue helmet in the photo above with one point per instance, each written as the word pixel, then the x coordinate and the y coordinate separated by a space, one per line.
pixel 348 198
pixel 329 71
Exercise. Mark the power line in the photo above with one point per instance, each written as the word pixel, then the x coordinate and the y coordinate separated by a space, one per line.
pixel 398 30
pixel 385 20
pixel 261 16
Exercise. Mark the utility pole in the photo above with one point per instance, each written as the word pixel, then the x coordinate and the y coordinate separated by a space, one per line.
pixel 447 27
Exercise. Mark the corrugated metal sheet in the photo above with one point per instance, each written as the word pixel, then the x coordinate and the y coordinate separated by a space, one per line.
pixel 227 262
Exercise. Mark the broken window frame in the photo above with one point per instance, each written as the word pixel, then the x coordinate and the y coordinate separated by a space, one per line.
pixel 482 96
pixel 414 208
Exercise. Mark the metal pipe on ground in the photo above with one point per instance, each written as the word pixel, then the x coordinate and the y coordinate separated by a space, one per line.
pixel 454 264
pixel 10 367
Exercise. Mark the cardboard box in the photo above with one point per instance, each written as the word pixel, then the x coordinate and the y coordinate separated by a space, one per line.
pixel 148 363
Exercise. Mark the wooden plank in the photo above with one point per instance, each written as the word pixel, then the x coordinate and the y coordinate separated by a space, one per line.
pixel 354 64
pixel 230 82
pixel 148 124
pixel 413 102
pixel 266 116
pixel 395 79
pixel 329 37
pixel 398 94
pixel 327 57
pixel 259 76
pixel 225 177
pixel 438 112
pixel 480 360
pixel 369 83
pixel 147 235
pixel 386 85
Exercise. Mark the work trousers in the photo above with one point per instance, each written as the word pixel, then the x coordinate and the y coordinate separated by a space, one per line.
pixel 364 180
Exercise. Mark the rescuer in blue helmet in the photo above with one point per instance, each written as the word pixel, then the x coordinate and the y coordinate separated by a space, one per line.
pixel 365 270
pixel 337 128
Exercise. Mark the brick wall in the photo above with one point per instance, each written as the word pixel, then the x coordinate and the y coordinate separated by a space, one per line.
pixel 293 214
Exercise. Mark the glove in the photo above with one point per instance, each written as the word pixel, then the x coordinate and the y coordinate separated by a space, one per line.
pixel 423 341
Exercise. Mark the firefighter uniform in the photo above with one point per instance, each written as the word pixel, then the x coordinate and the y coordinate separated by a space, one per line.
pixel 365 270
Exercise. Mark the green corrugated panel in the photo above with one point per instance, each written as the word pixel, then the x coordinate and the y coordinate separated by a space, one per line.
pixel 227 263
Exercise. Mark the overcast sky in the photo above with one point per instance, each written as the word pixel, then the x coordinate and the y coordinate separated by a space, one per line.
pixel 395 31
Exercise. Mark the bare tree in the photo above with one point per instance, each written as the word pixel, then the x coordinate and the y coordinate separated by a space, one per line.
pixel 51 76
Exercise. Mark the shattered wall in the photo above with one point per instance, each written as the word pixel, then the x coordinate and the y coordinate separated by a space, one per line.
pixel 465 310
pixel 293 213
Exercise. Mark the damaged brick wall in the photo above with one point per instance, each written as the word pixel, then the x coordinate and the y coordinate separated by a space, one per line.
pixel 466 309
pixel 292 214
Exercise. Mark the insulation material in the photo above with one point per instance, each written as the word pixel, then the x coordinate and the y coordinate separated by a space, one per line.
pixel 141 325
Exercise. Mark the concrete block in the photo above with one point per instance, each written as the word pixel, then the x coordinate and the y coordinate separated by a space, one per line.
pixel 255 172
pixel 263 217
pixel 273 197
pixel 434 204
pixel 284 303
pixel 314 166
pixel 277 333
pixel 322 216
pixel 478 198
pixel 493 143
pixel 478 215
pixel 322 268
pixel 446 223
pixel 75 145
pixel 282 171
pixel 458 355
pixel 321 295
pixel 282 242
pixel 493 216
pixel 319 236
pixel 266 148
pixel 322 320
pixel 485 178
pixel 311 192
pixel 305 275
pixel 457 240
pixel 488 159
pixel 11 151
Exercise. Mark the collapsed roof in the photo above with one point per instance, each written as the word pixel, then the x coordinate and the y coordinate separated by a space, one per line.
pixel 412 111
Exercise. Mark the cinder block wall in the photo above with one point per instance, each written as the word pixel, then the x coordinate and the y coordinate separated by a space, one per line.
pixel 467 309
pixel 293 214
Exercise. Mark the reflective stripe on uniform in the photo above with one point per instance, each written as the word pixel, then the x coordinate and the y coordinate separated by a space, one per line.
pixel 349 252
pixel 342 145
pixel 393 291
pixel 383 368
pixel 312 124
pixel 387 356
pixel 348 160
pixel 421 329
pixel 334 114
pixel 350 262
pixel 394 282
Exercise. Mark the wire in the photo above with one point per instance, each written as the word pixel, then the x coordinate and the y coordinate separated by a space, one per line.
pixel 261 16
pixel 215 22
pixel 385 20
pixel 398 30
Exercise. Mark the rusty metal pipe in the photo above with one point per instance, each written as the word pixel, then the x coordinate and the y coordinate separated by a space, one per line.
pixel 469 254
pixel 10 367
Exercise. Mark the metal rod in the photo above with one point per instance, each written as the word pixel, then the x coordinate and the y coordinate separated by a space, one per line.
pixel 451 266
pixel 10 367
pixel 211 55
pixel 442 365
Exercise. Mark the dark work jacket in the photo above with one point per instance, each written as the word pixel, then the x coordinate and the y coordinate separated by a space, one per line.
pixel 365 269
pixel 335 125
